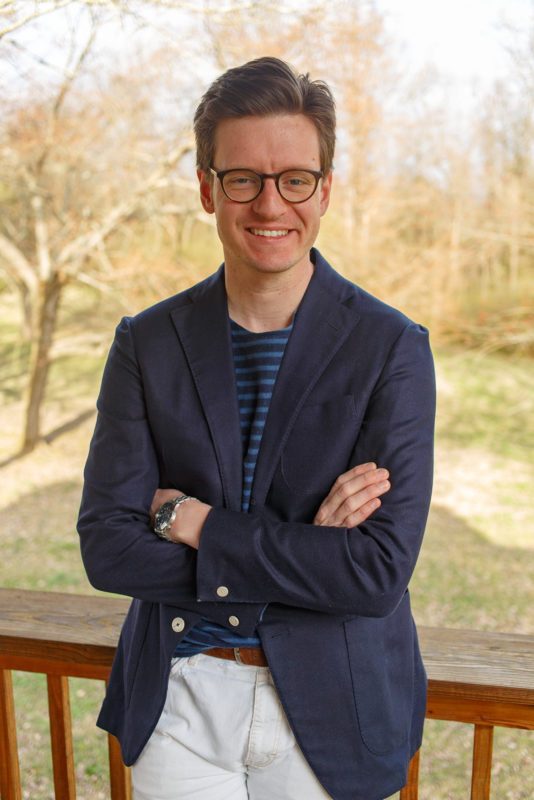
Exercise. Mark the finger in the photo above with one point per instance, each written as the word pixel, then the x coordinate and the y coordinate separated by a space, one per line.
pixel 363 513
pixel 347 506
pixel 351 489
pixel 157 501
pixel 355 472
pixel 356 517
pixel 354 481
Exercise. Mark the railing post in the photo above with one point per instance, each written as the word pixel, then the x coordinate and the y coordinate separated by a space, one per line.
pixel 411 790
pixel 119 776
pixel 482 755
pixel 61 737
pixel 9 758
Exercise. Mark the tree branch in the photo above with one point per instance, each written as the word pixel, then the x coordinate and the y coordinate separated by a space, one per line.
pixel 77 250
pixel 16 263
pixel 10 7
pixel 42 247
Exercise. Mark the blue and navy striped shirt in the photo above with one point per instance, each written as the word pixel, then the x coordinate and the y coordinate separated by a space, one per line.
pixel 257 358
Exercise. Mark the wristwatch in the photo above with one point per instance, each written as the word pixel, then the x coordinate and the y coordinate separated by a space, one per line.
pixel 166 514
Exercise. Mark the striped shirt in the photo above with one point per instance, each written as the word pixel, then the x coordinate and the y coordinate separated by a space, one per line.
pixel 257 358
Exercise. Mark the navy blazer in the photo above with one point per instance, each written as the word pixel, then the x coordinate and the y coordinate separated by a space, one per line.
pixel 330 605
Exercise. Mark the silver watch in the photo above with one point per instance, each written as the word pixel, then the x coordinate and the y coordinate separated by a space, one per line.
pixel 166 514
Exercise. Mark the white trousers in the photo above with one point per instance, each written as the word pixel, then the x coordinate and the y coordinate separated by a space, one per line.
pixel 222 735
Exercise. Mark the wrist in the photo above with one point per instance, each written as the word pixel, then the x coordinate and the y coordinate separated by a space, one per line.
pixel 189 522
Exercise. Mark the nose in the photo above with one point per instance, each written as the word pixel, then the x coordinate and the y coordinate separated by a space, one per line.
pixel 269 203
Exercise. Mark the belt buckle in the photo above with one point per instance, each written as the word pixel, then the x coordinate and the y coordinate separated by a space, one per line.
pixel 237 657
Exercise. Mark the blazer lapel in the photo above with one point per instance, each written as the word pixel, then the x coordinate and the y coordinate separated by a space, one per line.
pixel 204 331
pixel 322 324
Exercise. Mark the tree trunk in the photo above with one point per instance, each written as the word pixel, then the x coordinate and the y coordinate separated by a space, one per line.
pixel 49 296
pixel 27 313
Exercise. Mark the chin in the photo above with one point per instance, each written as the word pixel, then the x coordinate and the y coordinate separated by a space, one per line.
pixel 271 263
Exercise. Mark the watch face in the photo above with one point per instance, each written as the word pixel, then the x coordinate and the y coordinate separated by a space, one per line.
pixel 164 516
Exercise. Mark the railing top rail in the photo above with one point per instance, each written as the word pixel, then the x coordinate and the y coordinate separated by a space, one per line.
pixel 499 665
pixel 62 618
pixel 52 624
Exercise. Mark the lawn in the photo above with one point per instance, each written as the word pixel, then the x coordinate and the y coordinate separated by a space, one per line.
pixel 476 568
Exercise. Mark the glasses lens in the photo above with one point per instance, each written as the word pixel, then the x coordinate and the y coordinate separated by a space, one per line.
pixel 297 185
pixel 241 185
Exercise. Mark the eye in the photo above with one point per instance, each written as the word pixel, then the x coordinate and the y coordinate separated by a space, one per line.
pixel 297 179
pixel 241 178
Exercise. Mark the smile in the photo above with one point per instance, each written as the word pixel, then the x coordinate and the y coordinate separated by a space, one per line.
pixel 268 233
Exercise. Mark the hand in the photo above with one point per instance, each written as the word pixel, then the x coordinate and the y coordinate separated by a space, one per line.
pixel 161 496
pixel 190 517
pixel 353 497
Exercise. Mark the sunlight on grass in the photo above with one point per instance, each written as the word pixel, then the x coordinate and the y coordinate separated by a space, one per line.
pixel 485 444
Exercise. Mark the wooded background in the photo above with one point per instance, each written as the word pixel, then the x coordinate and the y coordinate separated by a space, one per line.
pixel 431 211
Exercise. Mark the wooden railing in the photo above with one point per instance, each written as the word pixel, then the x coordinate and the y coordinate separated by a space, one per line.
pixel 61 636
pixel 485 679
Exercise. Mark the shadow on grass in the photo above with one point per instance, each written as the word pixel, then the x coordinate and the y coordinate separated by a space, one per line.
pixel 14 357
pixel 463 580
pixel 39 541
pixel 49 438
pixel 69 426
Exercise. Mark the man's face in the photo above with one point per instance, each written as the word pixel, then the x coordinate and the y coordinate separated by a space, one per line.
pixel 269 234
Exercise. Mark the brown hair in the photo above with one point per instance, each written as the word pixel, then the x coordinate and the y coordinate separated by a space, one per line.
pixel 265 87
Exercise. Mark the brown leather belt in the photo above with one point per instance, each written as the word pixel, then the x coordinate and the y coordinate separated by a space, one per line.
pixel 251 656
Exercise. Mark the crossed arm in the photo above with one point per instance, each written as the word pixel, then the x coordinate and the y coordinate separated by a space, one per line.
pixel 357 558
pixel 352 499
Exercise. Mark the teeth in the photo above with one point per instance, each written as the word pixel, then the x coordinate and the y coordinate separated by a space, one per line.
pixel 263 232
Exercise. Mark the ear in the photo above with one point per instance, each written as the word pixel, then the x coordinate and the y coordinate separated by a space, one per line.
pixel 325 190
pixel 206 191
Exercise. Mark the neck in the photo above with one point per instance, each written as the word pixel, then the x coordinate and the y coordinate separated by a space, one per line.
pixel 266 302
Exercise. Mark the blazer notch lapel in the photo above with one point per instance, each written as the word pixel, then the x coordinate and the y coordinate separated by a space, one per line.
pixel 319 332
pixel 204 332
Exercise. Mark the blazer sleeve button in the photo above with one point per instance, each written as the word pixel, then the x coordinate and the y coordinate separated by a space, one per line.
pixel 222 591
pixel 233 621
pixel 178 624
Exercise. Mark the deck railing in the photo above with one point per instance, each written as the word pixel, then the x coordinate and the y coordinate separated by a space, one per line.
pixel 484 679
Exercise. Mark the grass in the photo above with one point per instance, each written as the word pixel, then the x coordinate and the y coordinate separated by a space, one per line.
pixel 478 389
pixel 476 568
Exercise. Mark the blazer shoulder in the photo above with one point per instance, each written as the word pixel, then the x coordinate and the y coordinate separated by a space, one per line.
pixel 370 309
pixel 159 314
pixel 379 311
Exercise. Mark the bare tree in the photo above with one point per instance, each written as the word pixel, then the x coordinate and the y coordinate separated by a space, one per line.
pixel 89 149
pixel 76 165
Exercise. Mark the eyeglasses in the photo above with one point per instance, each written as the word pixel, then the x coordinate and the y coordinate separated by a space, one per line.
pixel 244 185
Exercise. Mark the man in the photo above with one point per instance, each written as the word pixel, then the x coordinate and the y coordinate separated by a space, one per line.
pixel 232 489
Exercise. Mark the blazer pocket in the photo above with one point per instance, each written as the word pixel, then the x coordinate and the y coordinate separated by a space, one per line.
pixel 381 656
pixel 320 444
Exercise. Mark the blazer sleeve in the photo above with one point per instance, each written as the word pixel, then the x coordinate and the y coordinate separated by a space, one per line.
pixel 364 570
pixel 120 552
